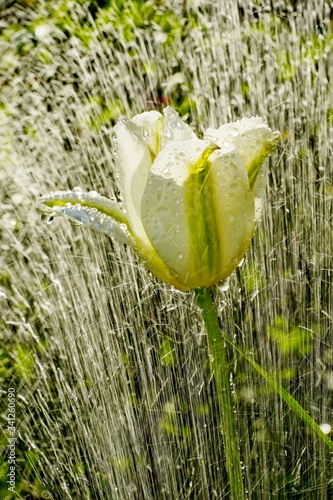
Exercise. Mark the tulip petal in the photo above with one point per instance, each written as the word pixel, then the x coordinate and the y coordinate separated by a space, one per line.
pixel 254 141
pixel 134 162
pixel 234 206
pixel 91 210
pixel 92 199
pixel 106 216
pixel 151 124
pixel 174 128
pixel 198 211
pixel 164 209
pixel 134 165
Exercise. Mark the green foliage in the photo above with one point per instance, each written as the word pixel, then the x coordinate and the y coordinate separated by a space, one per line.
pixel 172 424
pixel 167 353
pixel 290 340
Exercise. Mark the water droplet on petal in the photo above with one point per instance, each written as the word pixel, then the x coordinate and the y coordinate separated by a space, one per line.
pixel 162 211
pixel 168 133
pixel 76 223
pixel 180 256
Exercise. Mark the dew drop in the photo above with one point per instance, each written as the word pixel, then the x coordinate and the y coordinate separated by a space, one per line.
pixel 78 189
pixel 162 211
pixel 76 222
pixel 233 132
pixel 180 256
pixel 167 133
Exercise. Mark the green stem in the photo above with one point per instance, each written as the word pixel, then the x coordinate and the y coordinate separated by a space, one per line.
pixel 221 371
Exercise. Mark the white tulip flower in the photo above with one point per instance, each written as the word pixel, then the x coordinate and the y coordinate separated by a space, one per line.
pixel 190 206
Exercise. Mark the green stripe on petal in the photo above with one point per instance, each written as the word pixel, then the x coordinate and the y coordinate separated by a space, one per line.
pixel 259 156
pixel 220 211
pixel 199 199
pixel 164 208
pixel 254 141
